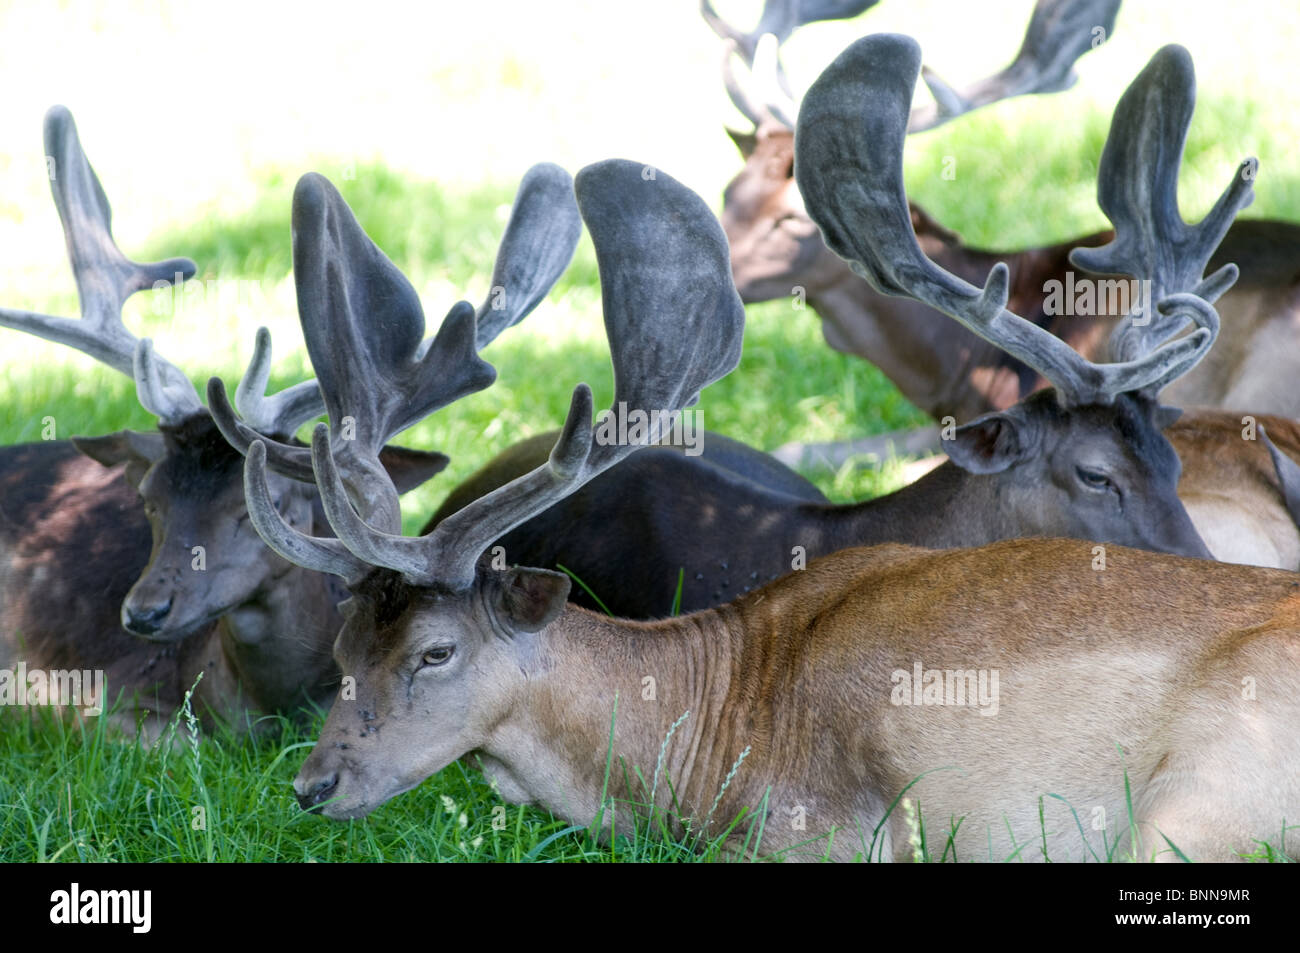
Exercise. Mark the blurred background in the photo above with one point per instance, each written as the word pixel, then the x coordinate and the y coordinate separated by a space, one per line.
pixel 199 119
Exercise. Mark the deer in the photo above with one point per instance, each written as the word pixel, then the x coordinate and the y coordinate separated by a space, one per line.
pixel 776 247
pixel 1086 459
pixel 953 375
pixel 257 626
pixel 789 698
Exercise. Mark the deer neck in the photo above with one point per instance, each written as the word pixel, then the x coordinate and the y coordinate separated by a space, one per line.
pixel 946 508
pixel 277 646
pixel 925 354
pixel 591 675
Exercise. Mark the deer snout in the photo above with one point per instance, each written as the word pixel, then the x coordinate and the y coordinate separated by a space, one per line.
pixel 312 792
pixel 145 620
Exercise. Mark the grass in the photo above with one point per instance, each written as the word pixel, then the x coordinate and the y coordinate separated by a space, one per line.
pixel 70 792
pixel 454 136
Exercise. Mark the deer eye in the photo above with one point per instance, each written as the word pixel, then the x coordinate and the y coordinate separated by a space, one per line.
pixel 438 656
pixel 1093 480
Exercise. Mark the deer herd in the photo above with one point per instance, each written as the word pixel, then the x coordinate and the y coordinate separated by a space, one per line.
pixel 1092 609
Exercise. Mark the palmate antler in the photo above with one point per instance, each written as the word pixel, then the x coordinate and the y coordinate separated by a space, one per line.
pixel 1059 33
pixel 1137 188
pixel 675 325
pixel 106 278
pixel 772 97
pixel 849 168
pixel 364 327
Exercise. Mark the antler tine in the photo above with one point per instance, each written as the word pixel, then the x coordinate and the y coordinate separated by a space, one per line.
pixel 675 324
pixel 1059 32
pixel 769 83
pixel 1137 188
pixel 779 19
pixel 105 277
pixel 740 97
pixel 285 459
pixel 267 415
pixel 281 413
pixel 849 169
pixel 363 324
pixel 319 554
pixel 538 245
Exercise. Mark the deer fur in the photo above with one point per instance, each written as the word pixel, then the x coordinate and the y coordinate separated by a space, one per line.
pixel 800 678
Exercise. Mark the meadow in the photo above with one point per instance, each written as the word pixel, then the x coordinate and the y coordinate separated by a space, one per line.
pixel 427 154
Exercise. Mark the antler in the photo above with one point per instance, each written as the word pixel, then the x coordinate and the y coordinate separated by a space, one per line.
pixel 105 279
pixel 772 98
pixel 540 238
pixel 363 324
pixel 849 168
pixel 1059 32
pixel 281 413
pixel 675 325
pixel 1137 188
pixel 781 18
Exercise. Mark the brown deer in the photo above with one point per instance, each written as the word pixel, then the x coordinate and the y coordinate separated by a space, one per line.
pixel 776 248
pixel 258 626
pixel 951 373
pixel 793 697
pixel 1086 460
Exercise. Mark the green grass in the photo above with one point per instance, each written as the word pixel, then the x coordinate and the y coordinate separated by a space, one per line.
pixel 72 792
pixel 490 106
pixel 69 795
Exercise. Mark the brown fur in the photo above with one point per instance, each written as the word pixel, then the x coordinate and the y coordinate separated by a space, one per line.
pixel 1230 487
pixel 946 370
pixel 1190 699
pixel 74 540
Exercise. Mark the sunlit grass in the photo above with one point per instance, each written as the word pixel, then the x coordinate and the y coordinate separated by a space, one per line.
pixel 427 141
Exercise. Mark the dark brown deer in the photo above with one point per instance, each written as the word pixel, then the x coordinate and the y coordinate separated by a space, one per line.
pixel 260 624
pixel 1085 460
pixel 777 250
pixel 793 698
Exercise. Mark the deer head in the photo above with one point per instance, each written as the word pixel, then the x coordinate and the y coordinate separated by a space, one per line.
pixel 775 246
pixel 183 475
pixel 1096 438
pixel 188 476
pixel 432 634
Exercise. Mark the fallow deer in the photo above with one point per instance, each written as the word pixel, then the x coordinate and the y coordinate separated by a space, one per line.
pixel 1086 460
pixel 948 372
pixel 258 626
pixel 790 698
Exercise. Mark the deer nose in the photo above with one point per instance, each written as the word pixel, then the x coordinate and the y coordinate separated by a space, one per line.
pixel 145 620
pixel 321 790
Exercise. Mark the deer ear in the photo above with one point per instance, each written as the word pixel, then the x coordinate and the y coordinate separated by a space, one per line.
pixel 125 446
pixel 139 451
pixel 746 142
pixel 1167 416
pixel 530 599
pixel 989 444
pixel 409 468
